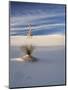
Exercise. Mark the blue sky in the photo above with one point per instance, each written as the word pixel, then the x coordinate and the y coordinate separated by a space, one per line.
pixel 45 19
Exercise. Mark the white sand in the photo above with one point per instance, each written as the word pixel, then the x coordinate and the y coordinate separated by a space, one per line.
pixel 48 40
pixel 48 70
pixel 17 59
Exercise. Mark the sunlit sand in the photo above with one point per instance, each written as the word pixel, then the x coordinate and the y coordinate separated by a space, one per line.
pixel 48 40
pixel 17 59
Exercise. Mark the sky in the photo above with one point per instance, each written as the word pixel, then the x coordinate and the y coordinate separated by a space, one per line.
pixel 45 19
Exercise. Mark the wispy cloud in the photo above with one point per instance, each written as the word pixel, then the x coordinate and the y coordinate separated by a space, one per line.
pixel 20 20
pixel 41 19
pixel 48 26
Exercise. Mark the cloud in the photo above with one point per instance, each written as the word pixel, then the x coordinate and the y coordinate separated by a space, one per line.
pixel 22 20
pixel 40 26
pixel 49 28
pixel 39 20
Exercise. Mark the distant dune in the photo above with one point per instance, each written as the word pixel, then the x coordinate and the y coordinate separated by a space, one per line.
pixel 48 40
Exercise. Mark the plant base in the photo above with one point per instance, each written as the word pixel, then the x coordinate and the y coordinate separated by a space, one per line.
pixel 28 58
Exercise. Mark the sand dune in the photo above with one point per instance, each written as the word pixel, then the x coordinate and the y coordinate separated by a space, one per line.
pixel 48 40
pixel 49 68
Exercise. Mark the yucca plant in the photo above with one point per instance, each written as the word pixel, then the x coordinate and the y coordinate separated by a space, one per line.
pixel 27 49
